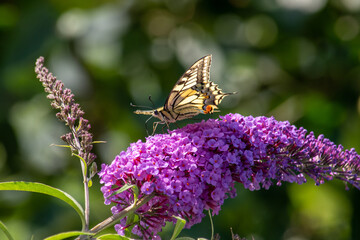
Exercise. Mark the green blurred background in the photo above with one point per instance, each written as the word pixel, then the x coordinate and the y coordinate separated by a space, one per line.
pixel 297 60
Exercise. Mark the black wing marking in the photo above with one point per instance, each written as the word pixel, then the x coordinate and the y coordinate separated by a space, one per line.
pixel 187 87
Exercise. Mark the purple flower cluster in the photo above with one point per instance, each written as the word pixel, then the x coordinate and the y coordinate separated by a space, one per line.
pixel 193 169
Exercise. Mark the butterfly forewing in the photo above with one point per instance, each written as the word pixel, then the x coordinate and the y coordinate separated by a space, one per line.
pixel 197 74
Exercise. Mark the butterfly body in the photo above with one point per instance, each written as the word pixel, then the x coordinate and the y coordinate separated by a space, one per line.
pixel 192 94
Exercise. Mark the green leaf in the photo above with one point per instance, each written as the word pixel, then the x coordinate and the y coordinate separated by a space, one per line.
pixel 65 235
pixel 83 163
pixel 124 188
pixel 44 189
pixel 128 186
pixel 180 224
pixel 136 192
pixel 130 219
pixel 185 238
pixel 112 237
pixel 57 145
pixel 6 231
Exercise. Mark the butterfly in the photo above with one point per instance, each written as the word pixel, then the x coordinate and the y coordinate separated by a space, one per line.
pixel 192 94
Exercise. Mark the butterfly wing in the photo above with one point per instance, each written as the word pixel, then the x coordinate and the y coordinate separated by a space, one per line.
pixel 194 93
pixel 185 100
pixel 185 89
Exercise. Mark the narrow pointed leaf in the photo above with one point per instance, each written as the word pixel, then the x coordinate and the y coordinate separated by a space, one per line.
pixel 112 237
pixel 180 224
pixel 124 188
pixel 60 145
pixel 65 235
pixel 44 189
pixel 5 231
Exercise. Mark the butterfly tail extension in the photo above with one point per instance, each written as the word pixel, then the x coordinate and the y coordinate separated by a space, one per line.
pixel 231 93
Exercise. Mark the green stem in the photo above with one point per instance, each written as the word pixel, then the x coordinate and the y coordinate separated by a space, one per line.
pixel 84 168
pixel 86 197
pixel 212 226
pixel 127 211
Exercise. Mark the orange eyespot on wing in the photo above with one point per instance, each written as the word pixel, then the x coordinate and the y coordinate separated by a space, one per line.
pixel 209 109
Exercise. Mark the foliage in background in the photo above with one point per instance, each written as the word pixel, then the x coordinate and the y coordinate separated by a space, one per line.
pixel 297 62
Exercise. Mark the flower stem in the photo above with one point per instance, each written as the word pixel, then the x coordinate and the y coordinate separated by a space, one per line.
pixel 86 197
pixel 79 139
pixel 127 211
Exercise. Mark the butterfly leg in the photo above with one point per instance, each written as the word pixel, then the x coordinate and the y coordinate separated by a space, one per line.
pixel 147 132
pixel 155 124
pixel 162 129
pixel 167 124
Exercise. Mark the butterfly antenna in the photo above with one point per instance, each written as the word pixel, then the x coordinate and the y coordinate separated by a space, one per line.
pixel 151 101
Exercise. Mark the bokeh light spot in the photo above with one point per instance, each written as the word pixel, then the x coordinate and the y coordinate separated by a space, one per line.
pixel 159 23
pixel 161 51
pixel 72 24
pixel 306 6
pixel 351 5
pixel 229 30
pixel 346 28
pixel 9 15
pixel 261 31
